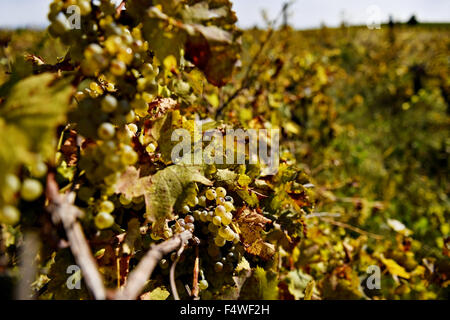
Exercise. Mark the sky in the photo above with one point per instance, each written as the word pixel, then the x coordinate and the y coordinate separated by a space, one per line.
pixel 304 13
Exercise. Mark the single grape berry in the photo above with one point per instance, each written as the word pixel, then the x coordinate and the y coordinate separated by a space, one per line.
pixel 124 200
pixel 85 7
pixel 203 284
pixel 230 235
pixel 210 194
pixel 219 241
pixel 217 220
pixel 93 49
pixel 228 206
pixel 133 128
pixel 204 216
pixel 106 206
pixel 229 199
pixel 31 189
pixel 185 209
pixel 221 192
pixel 118 68
pixel 129 156
pixel 95 87
pixel 104 220
pixel 106 131
pixel 220 201
pixel 226 233
pixel 12 182
pixel 220 211
pixel 181 222
pixel 39 169
pixel 202 201
pixel 150 148
pixel 218 267
pixel 130 116
pixel 113 161
pixel 148 70
pixel 227 218
pixel 164 264
pixel 189 219
pixel 196 214
pixel 9 215
pixel 109 103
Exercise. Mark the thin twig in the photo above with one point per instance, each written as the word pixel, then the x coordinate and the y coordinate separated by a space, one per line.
pixel 63 211
pixel 173 285
pixel 138 277
pixel 195 276
pixel 39 66
pixel 120 7
pixel 350 227
pixel 322 214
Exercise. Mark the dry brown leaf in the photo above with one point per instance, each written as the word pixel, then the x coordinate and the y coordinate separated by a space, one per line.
pixel 251 224
pixel 160 107
pixel 69 149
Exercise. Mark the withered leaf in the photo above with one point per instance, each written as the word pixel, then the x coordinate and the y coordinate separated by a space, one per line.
pixel 69 149
pixel 251 225
pixel 131 185
pixel 159 107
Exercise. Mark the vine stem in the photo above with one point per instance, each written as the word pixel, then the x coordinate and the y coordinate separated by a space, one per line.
pixel 138 277
pixel 195 288
pixel 350 227
pixel 64 211
pixel 173 285
pixel 120 6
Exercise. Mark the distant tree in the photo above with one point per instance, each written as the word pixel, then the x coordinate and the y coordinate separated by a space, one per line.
pixel 412 21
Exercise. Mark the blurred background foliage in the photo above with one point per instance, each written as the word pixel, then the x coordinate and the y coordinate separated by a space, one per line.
pixel 367 114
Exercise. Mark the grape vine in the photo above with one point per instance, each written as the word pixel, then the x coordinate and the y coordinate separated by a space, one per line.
pixel 86 158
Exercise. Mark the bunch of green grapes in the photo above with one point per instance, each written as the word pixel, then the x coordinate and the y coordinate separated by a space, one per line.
pixel 25 185
pixel 118 79
pixel 210 218
pixel 29 189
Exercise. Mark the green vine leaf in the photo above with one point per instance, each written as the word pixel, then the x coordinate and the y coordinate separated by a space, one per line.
pixel 156 294
pixel 166 187
pixel 36 105
pixel 233 181
pixel 262 285
pixel 298 283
